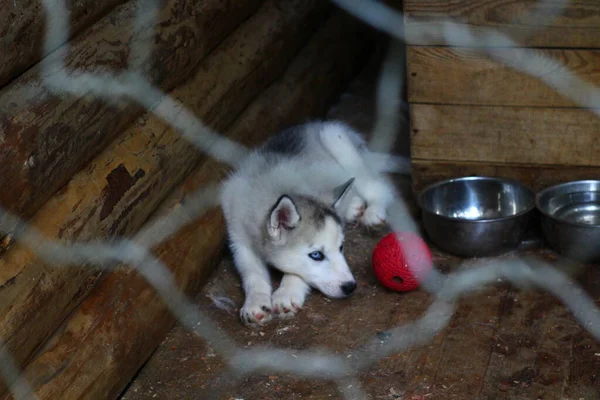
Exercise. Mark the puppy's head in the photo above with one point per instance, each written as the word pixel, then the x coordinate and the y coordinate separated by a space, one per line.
pixel 305 237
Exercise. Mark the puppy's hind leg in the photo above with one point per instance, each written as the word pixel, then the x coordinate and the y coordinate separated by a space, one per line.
pixel 256 282
pixel 289 298
pixel 377 192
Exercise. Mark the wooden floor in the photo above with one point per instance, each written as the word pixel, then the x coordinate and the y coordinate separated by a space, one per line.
pixel 502 342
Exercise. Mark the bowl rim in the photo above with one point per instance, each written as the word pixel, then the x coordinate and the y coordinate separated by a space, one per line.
pixel 562 220
pixel 477 178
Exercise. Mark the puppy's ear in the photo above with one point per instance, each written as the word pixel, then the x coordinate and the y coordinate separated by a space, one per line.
pixel 340 192
pixel 284 216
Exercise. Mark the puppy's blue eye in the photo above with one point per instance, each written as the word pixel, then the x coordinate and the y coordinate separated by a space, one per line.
pixel 317 256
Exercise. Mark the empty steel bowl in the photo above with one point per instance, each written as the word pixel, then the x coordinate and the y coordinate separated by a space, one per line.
pixel 570 218
pixel 476 216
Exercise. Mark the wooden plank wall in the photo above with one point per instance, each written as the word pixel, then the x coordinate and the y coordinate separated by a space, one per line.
pixel 471 115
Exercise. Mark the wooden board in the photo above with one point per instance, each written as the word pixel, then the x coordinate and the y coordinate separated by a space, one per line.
pixel 120 188
pixel 464 76
pixel 469 332
pixel 531 350
pixel 583 380
pixel 522 135
pixel 577 26
pixel 22 29
pixel 535 176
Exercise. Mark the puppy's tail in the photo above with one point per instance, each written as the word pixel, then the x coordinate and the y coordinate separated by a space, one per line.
pixel 348 149
pixel 389 163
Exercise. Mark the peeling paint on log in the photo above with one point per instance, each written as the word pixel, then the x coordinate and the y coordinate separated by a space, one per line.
pixel 119 182
pixel 45 138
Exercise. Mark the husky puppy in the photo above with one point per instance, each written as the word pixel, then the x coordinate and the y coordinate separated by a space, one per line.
pixel 285 207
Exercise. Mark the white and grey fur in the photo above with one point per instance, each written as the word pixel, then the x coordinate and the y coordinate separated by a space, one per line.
pixel 288 200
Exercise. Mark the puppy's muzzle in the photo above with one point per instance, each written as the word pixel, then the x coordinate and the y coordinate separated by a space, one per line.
pixel 348 288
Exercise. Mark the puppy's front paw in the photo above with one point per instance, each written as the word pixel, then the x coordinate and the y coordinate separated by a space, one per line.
pixel 374 216
pixel 256 310
pixel 287 301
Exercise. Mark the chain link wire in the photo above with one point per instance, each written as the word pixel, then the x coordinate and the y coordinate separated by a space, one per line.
pixel 316 364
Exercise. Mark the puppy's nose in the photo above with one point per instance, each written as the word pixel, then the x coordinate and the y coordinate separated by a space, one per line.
pixel 348 287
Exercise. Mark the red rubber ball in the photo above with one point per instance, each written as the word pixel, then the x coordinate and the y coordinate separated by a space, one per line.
pixel 401 261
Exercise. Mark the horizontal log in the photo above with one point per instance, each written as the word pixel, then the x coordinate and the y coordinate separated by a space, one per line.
pixel 48 137
pixel 464 76
pixel 91 357
pixel 536 177
pixel 577 26
pixel 522 135
pixel 22 29
pixel 312 82
pixel 119 189
pixel 116 328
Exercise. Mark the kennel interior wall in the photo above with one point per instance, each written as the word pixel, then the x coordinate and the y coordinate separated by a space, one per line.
pixel 471 115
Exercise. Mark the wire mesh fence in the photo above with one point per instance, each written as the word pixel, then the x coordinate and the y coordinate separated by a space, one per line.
pixel 136 252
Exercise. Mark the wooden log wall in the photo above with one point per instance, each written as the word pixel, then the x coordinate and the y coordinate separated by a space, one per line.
pixel 141 167
pixel 230 87
pixel 91 357
pixel 471 115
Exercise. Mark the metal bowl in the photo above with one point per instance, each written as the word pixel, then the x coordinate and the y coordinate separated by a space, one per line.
pixel 570 218
pixel 476 216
